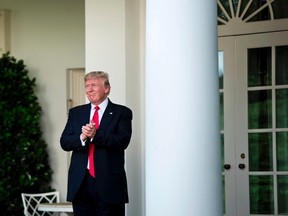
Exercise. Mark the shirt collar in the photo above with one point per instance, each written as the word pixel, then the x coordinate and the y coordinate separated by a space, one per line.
pixel 102 106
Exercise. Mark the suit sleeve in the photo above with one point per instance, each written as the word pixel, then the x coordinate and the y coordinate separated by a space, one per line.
pixel 70 138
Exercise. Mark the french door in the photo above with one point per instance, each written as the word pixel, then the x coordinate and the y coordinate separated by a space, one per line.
pixel 253 76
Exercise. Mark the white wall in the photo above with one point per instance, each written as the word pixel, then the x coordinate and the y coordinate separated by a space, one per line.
pixel 49 37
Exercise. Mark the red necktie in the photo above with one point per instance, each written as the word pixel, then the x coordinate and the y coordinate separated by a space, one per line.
pixel 95 119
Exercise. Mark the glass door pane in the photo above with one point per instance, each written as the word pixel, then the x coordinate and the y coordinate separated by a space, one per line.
pixel 260 152
pixel 281 65
pixel 259 109
pixel 259 67
pixel 261 194
pixel 282 185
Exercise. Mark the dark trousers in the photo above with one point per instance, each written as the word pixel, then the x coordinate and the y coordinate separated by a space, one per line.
pixel 88 202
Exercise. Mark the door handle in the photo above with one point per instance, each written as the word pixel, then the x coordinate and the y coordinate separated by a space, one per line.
pixel 227 166
pixel 241 166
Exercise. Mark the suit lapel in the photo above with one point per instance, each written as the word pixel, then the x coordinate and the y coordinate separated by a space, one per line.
pixel 86 114
pixel 107 115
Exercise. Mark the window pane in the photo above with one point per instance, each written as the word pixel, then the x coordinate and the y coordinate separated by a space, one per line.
pixel 259 67
pixel 280 8
pixel 282 108
pixel 260 152
pixel 263 14
pixel 282 182
pixel 261 195
pixel 243 5
pixel 226 5
pixel 221 111
pixel 259 109
pixel 282 151
pixel 222 152
pixel 282 65
pixel 223 194
pixel 221 68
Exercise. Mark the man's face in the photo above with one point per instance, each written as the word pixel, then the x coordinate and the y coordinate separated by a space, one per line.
pixel 96 91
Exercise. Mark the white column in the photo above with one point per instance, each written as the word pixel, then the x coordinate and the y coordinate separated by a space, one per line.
pixel 105 43
pixel 183 174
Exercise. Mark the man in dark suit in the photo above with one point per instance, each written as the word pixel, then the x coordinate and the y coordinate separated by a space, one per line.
pixel 97 186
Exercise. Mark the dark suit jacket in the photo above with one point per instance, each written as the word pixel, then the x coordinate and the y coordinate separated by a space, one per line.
pixel 111 139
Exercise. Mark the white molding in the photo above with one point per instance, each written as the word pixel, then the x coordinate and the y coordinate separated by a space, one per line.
pixel 5 37
pixel 241 28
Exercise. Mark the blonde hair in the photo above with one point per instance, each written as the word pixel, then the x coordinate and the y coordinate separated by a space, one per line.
pixel 98 75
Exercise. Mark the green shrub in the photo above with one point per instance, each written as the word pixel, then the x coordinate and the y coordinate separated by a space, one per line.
pixel 24 161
